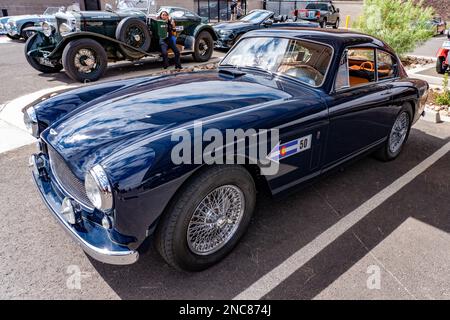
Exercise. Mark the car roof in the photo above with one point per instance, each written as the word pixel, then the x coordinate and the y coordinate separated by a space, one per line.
pixel 334 38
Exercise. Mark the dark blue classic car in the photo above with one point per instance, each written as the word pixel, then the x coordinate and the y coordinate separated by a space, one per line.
pixel 228 33
pixel 109 164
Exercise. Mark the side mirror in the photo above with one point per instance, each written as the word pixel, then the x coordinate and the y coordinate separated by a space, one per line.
pixel 268 23
pixel 108 7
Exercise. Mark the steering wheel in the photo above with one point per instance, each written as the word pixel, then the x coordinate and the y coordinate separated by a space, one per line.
pixel 371 66
pixel 310 74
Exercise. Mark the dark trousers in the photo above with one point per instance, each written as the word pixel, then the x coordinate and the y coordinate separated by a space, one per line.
pixel 165 44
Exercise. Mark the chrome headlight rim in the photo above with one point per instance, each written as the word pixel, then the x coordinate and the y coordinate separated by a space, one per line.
pixel 47 28
pixel 65 28
pixel 31 121
pixel 98 189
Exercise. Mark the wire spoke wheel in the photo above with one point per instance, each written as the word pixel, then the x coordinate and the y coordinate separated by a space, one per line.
pixel 215 220
pixel 85 60
pixel 203 47
pixel 399 132
pixel 135 37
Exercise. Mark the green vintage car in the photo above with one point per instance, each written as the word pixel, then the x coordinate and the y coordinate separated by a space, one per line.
pixel 82 42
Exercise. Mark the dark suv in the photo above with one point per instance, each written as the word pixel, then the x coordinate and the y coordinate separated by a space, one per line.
pixel 322 12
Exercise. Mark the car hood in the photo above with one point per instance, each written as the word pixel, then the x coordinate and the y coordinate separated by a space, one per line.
pixel 234 26
pixel 88 136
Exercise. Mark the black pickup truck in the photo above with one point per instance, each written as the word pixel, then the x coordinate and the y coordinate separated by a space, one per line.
pixel 322 12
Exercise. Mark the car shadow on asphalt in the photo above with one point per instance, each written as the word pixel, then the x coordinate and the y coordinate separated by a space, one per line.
pixel 284 225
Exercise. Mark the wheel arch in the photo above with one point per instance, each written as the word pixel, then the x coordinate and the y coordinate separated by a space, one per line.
pixel 253 169
pixel 205 28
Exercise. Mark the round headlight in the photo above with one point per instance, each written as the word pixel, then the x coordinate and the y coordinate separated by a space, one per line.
pixel 65 28
pixel 31 121
pixel 47 29
pixel 98 188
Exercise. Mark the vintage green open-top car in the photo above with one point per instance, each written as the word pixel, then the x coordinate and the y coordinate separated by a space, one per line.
pixel 82 42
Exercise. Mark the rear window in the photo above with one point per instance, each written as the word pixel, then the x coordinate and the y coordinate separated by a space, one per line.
pixel 317 6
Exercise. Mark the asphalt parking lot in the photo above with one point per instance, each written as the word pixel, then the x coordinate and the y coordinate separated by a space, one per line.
pixel 405 238
pixel 370 231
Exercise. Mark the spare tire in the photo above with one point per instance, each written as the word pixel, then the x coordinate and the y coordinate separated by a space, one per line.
pixel 135 33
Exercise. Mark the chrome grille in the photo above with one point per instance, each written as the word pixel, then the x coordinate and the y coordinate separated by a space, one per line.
pixel 70 184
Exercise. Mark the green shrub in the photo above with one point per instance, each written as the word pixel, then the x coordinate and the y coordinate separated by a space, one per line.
pixel 403 24
pixel 443 99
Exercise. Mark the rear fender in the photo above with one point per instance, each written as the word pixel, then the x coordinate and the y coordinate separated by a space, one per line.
pixel 205 27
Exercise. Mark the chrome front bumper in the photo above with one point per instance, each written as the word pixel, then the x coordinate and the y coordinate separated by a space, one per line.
pixel 92 238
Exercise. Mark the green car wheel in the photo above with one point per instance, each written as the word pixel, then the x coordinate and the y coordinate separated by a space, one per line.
pixel 84 60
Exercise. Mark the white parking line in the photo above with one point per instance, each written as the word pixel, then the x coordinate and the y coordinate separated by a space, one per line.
pixel 4 39
pixel 273 278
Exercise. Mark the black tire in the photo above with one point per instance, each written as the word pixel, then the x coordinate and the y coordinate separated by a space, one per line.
pixel 171 238
pixel 323 23
pixel 34 63
pixel 385 153
pixel 100 62
pixel 440 65
pixel 124 31
pixel 336 25
pixel 200 54
pixel 23 33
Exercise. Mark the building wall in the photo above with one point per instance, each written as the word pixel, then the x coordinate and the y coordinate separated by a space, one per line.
pixel 16 7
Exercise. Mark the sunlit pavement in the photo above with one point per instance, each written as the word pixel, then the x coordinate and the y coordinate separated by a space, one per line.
pixel 398 250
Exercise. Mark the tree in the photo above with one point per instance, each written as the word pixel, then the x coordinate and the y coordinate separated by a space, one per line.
pixel 403 24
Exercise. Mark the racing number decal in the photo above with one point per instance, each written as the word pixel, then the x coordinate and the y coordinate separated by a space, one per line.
pixel 290 148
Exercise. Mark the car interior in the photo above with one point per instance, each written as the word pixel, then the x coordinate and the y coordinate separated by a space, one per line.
pixel 358 67
pixel 306 61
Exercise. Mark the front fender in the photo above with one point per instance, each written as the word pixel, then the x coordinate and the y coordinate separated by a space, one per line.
pixel 144 181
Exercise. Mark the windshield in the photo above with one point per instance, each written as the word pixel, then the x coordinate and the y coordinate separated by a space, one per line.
pixel 50 11
pixel 317 6
pixel 133 4
pixel 305 61
pixel 256 17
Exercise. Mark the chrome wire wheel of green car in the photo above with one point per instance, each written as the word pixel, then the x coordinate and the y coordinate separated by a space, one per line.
pixel 133 33
pixel 399 132
pixel 84 60
pixel 207 217
pixel 135 36
pixel 215 220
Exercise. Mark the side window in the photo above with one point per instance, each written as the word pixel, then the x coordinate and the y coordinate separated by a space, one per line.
pixel 387 65
pixel 361 66
pixel 357 67
pixel 342 79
